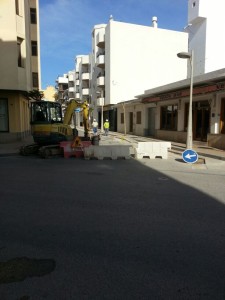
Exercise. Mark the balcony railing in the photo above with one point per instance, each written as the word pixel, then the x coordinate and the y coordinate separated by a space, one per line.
pixel 85 76
pixel 100 40
pixel 85 91
pixel 85 60
pixel 71 89
pixel 100 62
pixel 101 81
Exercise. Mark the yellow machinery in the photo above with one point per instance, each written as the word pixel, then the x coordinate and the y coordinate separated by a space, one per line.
pixel 49 127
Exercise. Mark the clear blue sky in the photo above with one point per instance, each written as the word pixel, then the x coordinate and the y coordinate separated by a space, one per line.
pixel 66 26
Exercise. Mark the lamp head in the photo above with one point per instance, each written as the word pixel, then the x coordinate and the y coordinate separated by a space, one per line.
pixel 184 55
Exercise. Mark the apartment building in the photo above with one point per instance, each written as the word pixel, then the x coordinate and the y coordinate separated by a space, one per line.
pixel 82 77
pixel 19 65
pixel 128 58
pixel 125 60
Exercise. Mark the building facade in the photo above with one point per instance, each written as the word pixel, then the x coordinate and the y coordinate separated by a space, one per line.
pixel 128 58
pixel 19 65
pixel 206 28
pixel 162 112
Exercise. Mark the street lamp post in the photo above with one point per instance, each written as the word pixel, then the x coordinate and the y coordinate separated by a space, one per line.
pixel 189 56
pixel 101 103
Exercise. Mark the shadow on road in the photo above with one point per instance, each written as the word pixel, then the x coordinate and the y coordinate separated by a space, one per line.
pixel 116 229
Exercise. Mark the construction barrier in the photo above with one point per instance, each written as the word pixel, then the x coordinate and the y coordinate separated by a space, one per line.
pixel 152 150
pixel 78 151
pixel 107 151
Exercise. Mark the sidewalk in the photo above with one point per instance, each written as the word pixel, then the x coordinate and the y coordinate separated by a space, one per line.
pixel 177 148
pixel 202 150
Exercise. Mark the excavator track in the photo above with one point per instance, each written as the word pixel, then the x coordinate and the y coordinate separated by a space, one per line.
pixel 50 151
pixel 29 149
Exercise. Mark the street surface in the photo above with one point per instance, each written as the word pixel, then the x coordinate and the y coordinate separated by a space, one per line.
pixel 112 229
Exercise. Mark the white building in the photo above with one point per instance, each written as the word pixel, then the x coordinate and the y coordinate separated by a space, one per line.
pixel 162 111
pixel 82 77
pixel 127 58
pixel 206 34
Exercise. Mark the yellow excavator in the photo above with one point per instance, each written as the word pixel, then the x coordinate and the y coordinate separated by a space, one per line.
pixel 49 127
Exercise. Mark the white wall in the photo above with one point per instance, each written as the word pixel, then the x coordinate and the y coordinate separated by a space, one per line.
pixel 140 58
pixel 207 32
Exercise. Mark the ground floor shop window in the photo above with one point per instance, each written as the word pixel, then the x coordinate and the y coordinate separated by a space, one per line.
pixel 138 117
pixel 169 117
pixel 4 118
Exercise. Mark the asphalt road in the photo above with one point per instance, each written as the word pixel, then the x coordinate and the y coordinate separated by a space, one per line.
pixel 115 229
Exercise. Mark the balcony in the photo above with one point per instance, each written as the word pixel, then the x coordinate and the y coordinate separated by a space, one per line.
pixel 85 91
pixel 77 95
pixel 101 81
pixel 100 101
pixel 100 62
pixel 71 89
pixel 77 82
pixel 71 77
pixel 85 60
pixel 100 40
pixel 85 76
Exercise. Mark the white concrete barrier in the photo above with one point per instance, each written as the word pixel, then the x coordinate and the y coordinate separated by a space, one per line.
pixel 152 150
pixel 107 151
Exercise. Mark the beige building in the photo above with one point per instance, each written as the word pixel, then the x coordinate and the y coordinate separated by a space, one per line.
pixel 19 65
pixel 50 93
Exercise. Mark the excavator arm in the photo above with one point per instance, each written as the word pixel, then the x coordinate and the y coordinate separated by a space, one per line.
pixel 73 104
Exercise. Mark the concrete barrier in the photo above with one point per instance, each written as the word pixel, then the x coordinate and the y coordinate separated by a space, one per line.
pixel 152 150
pixel 107 151
pixel 78 151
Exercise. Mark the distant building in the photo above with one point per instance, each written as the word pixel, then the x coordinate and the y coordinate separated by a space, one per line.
pixel 19 66
pixel 62 88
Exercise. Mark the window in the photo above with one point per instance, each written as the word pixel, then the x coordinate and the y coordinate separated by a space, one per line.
pixel 19 52
pixel 34 49
pixel 138 117
pixel 169 117
pixel 35 80
pixel 33 16
pixel 4 119
pixel 122 118
pixel 222 116
pixel 17 7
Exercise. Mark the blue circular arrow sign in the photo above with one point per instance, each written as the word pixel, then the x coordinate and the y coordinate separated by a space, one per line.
pixel 190 156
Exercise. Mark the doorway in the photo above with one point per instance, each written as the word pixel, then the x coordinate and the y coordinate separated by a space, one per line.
pixel 151 121
pixel 200 119
pixel 222 116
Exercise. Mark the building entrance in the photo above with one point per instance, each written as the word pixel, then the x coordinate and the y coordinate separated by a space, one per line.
pixel 200 119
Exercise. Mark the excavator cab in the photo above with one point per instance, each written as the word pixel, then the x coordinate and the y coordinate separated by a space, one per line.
pixel 45 112
pixel 46 121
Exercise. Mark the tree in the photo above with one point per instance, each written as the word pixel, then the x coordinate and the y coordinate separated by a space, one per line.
pixel 34 95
